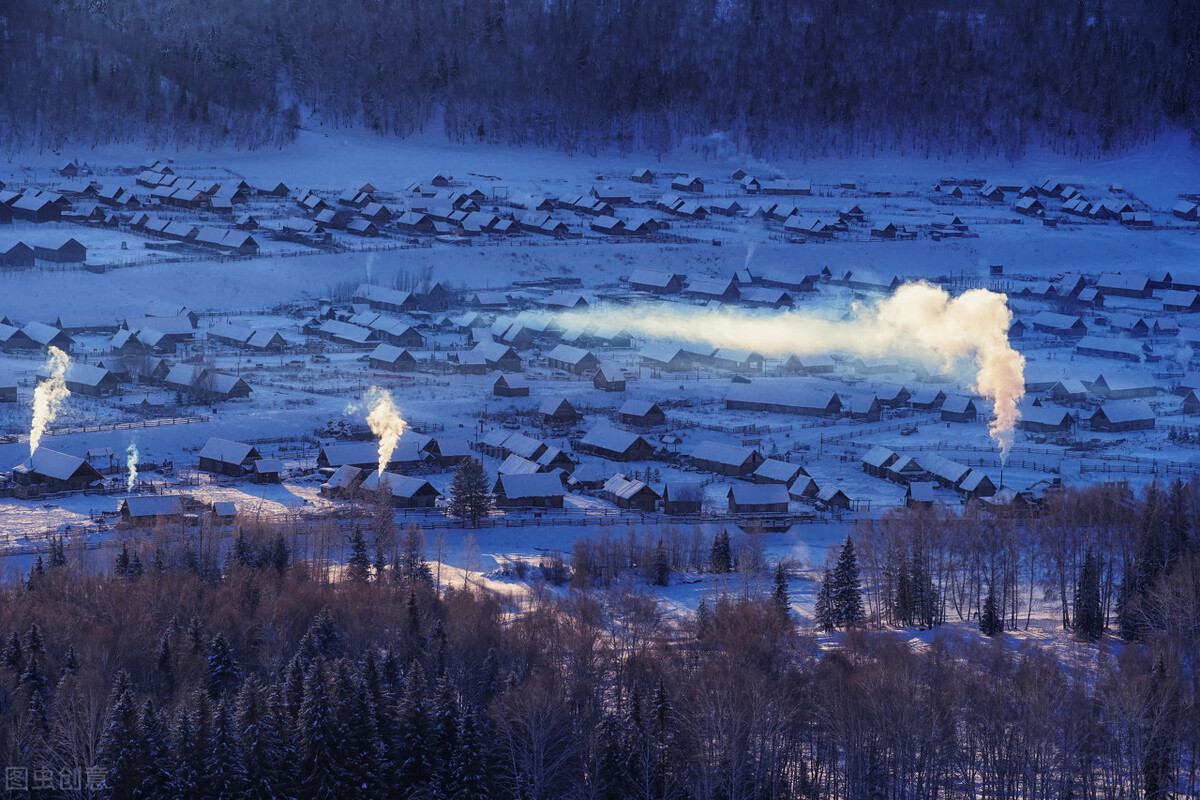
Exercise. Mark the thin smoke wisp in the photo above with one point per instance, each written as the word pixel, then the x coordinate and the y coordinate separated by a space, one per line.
pixel 964 333
pixel 131 462
pixel 48 397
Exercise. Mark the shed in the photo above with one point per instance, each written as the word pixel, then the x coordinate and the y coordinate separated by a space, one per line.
pixel 1123 415
pixel 642 414
pixel 725 459
pixel 615 445
pixel 393 359
pixel 540 490
pixel 609 378
pixel 509 385
pixel 226 457
pixel 558 411
pixel 55 472
pixel 770 498
pixel 629 493
pixel 959 408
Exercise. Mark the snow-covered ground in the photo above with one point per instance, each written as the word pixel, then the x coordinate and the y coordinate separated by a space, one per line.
pixel 280 288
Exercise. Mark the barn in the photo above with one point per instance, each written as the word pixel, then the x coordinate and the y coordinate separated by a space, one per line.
pixel 682 498
pixel 959 408
pixel 558 411
pixel 392 359
pixel 629 493
pixel 540 490
pixel 405 490
pixel 725 459
pixel 642 414
pixel 769 498
pixel 609 378
pixel 1122 416
pixel 64 250
pixel 225 457
pixel 55 472
pixel 572 359
pixel 508 385
pixel 153 509
pixel 615 445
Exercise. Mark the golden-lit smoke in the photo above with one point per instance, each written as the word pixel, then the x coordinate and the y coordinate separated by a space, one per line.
pixel 918 320
pixel 385 422
pixel 131 460
pixel 48 397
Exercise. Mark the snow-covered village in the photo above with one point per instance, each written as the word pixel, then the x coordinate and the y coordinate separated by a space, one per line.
pixel 419 462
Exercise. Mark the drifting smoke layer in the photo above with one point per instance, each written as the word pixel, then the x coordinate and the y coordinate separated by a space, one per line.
pixel 48 397
pixel 131 460
pixel 918 320
pixel 385 422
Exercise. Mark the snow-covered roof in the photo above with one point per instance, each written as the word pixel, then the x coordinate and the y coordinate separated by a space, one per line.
pixel 775 470
pixel 757 494
pixel 610 439
pixel 542 484
pixel 154 505
pixel 719 453
pixel 226 451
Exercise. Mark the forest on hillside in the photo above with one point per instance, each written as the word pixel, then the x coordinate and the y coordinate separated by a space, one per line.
pixel 772 77
pixel 198 668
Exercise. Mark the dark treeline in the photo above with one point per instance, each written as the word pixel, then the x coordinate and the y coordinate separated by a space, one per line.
pixel 257 674
pixel 795 77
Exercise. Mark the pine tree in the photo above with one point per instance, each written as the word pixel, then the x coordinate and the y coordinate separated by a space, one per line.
pixel 70 662
pixel 13 659
pixel 359 750
pixel 990 623
pixel 661 569
pixel 156 755
pixel 823 610
pixel 316 734
pixel 611 773
pixel 120 750
pixel 193 740
pixel 413 745
pixel 225 769
pixel 469 765
pixel 779 594
pixel 703 618
pixel 411 567
pixel 261 744
pixel 242 554
pixel 846 596
pixel 223 671
pixel 470 497
pixel 121 563
pixel 720 558
pixel 664 732
pixel 164 665
pixel 444 739
pixel 1088 622
pixel 358 565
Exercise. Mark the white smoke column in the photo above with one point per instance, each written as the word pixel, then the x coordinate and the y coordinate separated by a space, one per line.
pixel 385 423
pixel 918 320
pixel 48 397
pixel 131 460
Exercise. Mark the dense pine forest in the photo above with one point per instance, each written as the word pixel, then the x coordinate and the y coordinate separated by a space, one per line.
pixel 768 76
pixel 194 668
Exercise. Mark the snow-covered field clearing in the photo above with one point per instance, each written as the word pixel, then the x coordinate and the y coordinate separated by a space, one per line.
pixel 298 391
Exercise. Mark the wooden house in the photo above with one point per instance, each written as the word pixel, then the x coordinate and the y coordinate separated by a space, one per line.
pixel 642 414
pixel 229 458
pixel 510 385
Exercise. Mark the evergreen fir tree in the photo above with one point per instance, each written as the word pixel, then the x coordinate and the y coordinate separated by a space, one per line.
pixel 779 593
pixel 70 663
pixel 414 734
pixel 121 563
pixel 469 764
pixel 120 751
pixel 156 756
pixel 444 739
pixel 193 739
pixel 242 554
pixel 664 732
pixel 223 671
pixel 720 558
pixel 846 596
pixel 611 774
pixel 660 570
pixel 703 618
pixel 358 565
pixel 278 554
pixel 1088 622
pixel 470 495
pixel 411 567
pixel 316 734
pixel 164 665
pixel 261 744
pixel 135 566
pixel 226 772
pixel 990 623
pixel 823 610
pixel 13 659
